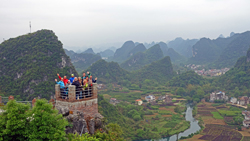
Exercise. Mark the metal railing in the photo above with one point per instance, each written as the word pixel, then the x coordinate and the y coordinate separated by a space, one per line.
pixel 81 92
pixel 64 93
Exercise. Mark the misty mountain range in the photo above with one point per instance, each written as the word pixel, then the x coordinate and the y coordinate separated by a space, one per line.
pixel 216 53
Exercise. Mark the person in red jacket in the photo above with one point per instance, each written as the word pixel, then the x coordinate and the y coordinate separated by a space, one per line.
pixel 65 80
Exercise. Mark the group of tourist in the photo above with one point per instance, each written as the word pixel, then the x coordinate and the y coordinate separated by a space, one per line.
pixel 82 84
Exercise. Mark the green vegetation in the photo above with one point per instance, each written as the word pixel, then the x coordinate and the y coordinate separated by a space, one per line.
pixel 42 122
pixel 159 71
pixel 217 115
pixel 189 77
pixel 29 64
pixel 229 113
pixel 139 122
pixel 234 50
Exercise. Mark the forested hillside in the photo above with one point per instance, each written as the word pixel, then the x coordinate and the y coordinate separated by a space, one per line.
pixel 107 72
pixel 175 56
pixel 160 71
pixel 189 77
pixel 234 50
pixel 136 49
pixel 82 61
pixel 111 72
pixel 29 64
pixel 221 52
pixel 141 59
pixel 238 78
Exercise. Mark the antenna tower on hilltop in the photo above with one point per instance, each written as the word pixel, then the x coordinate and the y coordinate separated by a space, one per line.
pixel 30 27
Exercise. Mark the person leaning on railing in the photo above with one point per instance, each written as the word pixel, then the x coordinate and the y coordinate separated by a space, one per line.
pixel 62 87
pixel 80 87
pixel 77 84
pixel 67 88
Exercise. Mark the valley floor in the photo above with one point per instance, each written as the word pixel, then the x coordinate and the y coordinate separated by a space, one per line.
pixel 218 122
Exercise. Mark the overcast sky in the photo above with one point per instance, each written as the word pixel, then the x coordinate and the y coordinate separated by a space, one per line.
pixel 103 23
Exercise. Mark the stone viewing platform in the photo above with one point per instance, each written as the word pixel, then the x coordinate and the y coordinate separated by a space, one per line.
pixel 87 103
pixel 80 107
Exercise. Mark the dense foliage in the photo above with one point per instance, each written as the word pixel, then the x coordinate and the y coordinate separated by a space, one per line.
pixel 29 64
pixel 237 48
pixel 237 79
pixel 111 72
pixel 189 77
pixel 42 122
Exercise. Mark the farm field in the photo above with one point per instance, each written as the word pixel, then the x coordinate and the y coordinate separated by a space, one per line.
pixel 218 122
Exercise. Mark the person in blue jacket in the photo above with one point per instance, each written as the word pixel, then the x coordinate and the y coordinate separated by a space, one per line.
pixel 62 88
pixel 72 78
pixel 60 83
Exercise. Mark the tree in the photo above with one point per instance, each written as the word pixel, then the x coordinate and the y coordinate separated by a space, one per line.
pixel 13 121
pixel 45 122
pixel 180 91
pixel 238 120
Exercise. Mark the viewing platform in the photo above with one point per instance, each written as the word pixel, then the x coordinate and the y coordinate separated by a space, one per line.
pixel 77 99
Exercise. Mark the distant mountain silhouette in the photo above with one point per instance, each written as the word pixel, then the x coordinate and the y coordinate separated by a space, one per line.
pixel 137 61
pixel 183 47
pixel 107 53
pixel 121 54
pixel 89 50
pixel 164 48
pixel 207 50
pixel 148 45
pixel 235 49
pixel 175 56
pixel 111 72
pixel 138 48
pixel 221 52
pixel 82 61
pixel 221 36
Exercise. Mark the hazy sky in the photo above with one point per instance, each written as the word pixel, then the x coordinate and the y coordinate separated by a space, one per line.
pixel 103 23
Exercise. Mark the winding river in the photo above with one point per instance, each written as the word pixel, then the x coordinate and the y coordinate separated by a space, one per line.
pixel 194 127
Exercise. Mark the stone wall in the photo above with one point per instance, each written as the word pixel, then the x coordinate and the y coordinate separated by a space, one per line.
pixel 88 107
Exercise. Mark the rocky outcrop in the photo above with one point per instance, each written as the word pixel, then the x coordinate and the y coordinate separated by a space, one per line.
pixel 80 123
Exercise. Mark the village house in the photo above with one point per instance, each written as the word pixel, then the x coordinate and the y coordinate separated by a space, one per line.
pixel 244 100
pixel 246 121
pixel 165 98
pixel 138 102
pixel 233 100
pixel 150 98
pixel 113 101
pixel 220 95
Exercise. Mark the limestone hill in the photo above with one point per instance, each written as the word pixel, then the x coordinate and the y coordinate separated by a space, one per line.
pixel 82 61
pixel 29 64
pixel 122 54
pixel 141 59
